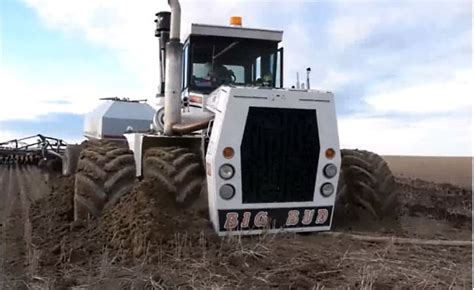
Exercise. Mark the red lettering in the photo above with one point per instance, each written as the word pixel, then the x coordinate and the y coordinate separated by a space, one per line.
pixel 261 219
pixel 322 217
pixel 246 220
pixel 307 217
pixel 232 221
pixel 293 218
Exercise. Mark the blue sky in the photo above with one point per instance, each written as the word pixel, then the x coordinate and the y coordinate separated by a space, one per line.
pixel 401 70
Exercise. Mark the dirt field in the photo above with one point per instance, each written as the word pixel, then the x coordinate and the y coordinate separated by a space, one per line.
pixel 143 242
pixel 453 170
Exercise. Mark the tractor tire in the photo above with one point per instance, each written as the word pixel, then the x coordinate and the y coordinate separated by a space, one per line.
pixel 70 159
pixel 366 183
pixel 177 171
pixel 105 172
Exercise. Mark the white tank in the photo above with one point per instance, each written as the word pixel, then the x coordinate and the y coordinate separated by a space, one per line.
pixel 113 118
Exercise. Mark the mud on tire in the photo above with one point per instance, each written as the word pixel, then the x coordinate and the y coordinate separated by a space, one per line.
pixel 366 183
pixel 178 171
pixel 105 172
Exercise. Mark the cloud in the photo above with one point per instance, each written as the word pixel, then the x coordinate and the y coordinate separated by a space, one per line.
pixel 6 135
pixel 441 97
pixel 26 99
pixel 429 119
pixel 355 22
pixel 435 136
pixel 347 31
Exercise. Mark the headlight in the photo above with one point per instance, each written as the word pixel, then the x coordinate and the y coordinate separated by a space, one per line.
pixel 327 189
pixel 226 171
pixel 330 170
pixel 227 191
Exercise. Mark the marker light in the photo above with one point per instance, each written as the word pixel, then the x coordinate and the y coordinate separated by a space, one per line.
pixel 330 153
pixel 228 152
pixel 236 21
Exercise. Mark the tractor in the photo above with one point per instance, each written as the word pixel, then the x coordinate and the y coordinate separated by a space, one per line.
pixel 226 133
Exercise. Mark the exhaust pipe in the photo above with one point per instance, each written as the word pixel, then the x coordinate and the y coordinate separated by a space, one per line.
pixel 174 50
pixel 191 127
pixel 175 19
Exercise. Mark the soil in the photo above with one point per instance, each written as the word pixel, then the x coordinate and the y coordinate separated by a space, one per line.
pixel 144 241
pixel 438 169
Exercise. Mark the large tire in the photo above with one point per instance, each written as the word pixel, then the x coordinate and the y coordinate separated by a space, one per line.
pixel 177 171
pixel 366 183
pixel 105 172
pixel 70 159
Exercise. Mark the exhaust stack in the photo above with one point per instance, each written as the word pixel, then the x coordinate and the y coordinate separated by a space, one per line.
pixel 173 77
pixel 175 19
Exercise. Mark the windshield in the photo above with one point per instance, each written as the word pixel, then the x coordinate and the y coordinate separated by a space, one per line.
pixel 230 61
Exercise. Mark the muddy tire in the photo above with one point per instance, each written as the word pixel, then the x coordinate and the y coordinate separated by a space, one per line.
pixel 177 171
pixel 105 172
pixel 70 159
pixel 366 183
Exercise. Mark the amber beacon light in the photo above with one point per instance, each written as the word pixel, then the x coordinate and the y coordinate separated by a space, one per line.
pixel 236 21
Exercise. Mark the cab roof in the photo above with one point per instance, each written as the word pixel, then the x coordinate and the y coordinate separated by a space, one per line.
pixel 236 32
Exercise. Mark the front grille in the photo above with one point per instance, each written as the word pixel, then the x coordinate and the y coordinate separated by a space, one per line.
pixel 279 155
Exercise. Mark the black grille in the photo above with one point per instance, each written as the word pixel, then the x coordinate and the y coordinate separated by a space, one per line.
pixel 279 155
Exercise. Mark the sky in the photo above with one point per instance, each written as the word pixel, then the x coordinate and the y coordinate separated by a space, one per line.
pixel 401 71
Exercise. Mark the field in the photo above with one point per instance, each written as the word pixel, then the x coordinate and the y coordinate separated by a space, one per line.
pixel 144 242
pixel 453 170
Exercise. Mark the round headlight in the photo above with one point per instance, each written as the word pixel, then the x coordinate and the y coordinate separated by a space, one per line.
pixel 327 189
pixel 330 170
pixel 226 171
pixel 227 191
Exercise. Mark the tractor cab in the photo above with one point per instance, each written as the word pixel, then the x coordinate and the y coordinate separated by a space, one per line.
pixel 231 55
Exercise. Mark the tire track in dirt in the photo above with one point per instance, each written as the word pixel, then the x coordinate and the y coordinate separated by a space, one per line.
pixel 20 185
pixel 39 183
pixel 3 191
pixel 29 191
pixel 4 177
pixel 12 236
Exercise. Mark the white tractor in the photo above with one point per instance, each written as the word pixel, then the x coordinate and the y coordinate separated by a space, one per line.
pixel 264 157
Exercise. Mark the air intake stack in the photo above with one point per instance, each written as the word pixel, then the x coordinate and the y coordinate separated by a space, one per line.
pixel 163 33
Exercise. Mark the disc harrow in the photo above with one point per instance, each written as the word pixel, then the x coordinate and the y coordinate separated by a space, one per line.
pixel 36 150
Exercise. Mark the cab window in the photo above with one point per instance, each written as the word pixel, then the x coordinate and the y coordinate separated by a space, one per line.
pixel 217 61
